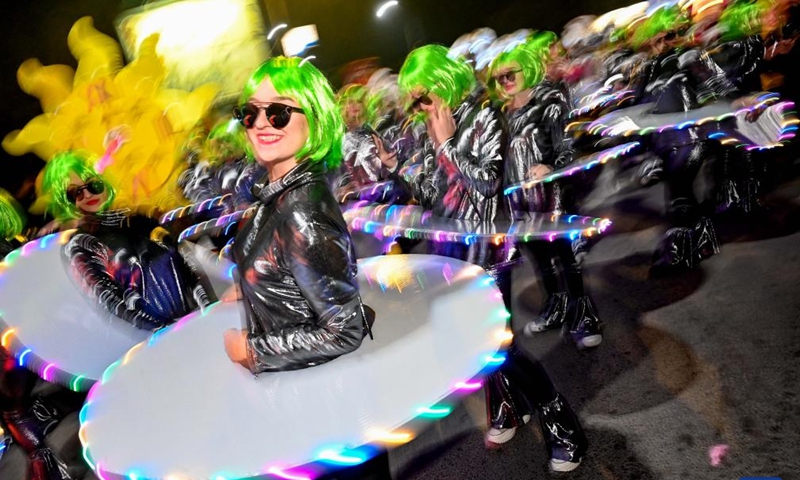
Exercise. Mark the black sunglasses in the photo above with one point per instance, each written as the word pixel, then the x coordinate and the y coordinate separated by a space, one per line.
pixel 94 187
pixel 506 77
pixel 278 114
pixel 423 99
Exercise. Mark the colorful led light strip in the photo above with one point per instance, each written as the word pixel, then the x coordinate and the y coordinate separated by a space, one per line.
pixel 789 118
pixel 288 476
pixel 4 340
pixel 434 412
pixel 22 357
pixel 195 208
pixel 221 222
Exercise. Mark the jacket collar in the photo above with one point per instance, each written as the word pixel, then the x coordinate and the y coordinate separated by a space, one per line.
pixel 305 172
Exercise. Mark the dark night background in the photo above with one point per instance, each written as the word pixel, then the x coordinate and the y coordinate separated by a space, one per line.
pixel 348 30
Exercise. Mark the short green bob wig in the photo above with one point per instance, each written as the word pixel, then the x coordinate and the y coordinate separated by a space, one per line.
pixel 12 219
pixel 430 68
pixel 531 56
pixel 56 181
pixel 300 80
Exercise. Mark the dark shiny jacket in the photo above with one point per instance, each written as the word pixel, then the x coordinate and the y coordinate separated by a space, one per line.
pixel 536 136
pixel 297 272
pixel 680 81
pixel 462 179
pixel 741 60
pixel 145 282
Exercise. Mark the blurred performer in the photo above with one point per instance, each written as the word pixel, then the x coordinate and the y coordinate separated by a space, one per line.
pixel 460 177
pixel 218 166
pixel 125 262
pixel 536 112
pixel 740 53
pixel 360 165
pixel 295 256
pixel 678 80
pixel 27 421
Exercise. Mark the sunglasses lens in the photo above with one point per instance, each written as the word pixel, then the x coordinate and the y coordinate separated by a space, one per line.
pixel 95 187
pixel 72 195
pixel 247 115
pixel 278 115
pixel 425 100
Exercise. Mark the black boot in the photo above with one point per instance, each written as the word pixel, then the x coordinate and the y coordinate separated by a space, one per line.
pixel 675 252
pixel 27 433
pixel 46 466
pixel 553 314
pixel 705 238
pixel 583 326
pixel 46 414
pixel 563 436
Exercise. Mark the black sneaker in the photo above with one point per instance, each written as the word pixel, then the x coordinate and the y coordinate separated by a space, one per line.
pixel 553 314
pixel 584 326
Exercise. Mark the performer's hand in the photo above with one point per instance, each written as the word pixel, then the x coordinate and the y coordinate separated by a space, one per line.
pixel 388 159
pixel 441 125
pixel 236 345
pixel 538 172
pixel 51 227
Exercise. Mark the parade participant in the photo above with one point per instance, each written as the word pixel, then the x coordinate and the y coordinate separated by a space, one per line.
pixel 26 420
pixel 295 257
pixel 536 111
pixel 460 177
pixel 360 164
pixel 740 53
pixel 678 80
pixel 296 260
pixel 125 262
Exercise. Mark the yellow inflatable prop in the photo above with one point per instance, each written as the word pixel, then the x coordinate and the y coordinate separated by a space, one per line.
pixel 123 114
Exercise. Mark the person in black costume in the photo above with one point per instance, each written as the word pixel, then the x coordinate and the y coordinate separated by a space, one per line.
pixel 679 80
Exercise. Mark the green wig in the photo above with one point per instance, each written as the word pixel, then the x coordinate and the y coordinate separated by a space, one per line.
pixel 531 56
pixel 430 68
pixel 12 219
pixel 742 19
pixel 664 20
pixel 357 93
pixel 300 80
pixel 56 182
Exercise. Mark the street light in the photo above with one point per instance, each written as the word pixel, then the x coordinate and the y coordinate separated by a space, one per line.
pixel 275 30
pixel 385 7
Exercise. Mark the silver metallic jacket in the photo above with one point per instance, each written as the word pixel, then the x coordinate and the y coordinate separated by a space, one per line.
pixel 297 272
pixel 536 136
pixel 462 179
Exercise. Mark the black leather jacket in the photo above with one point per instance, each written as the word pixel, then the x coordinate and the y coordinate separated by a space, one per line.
pixel 145 282
pixel 297 272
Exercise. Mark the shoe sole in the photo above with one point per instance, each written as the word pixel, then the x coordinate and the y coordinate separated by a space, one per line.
pixel 534 329
pixel 590 341
pixel 561 466
pixel 506 436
